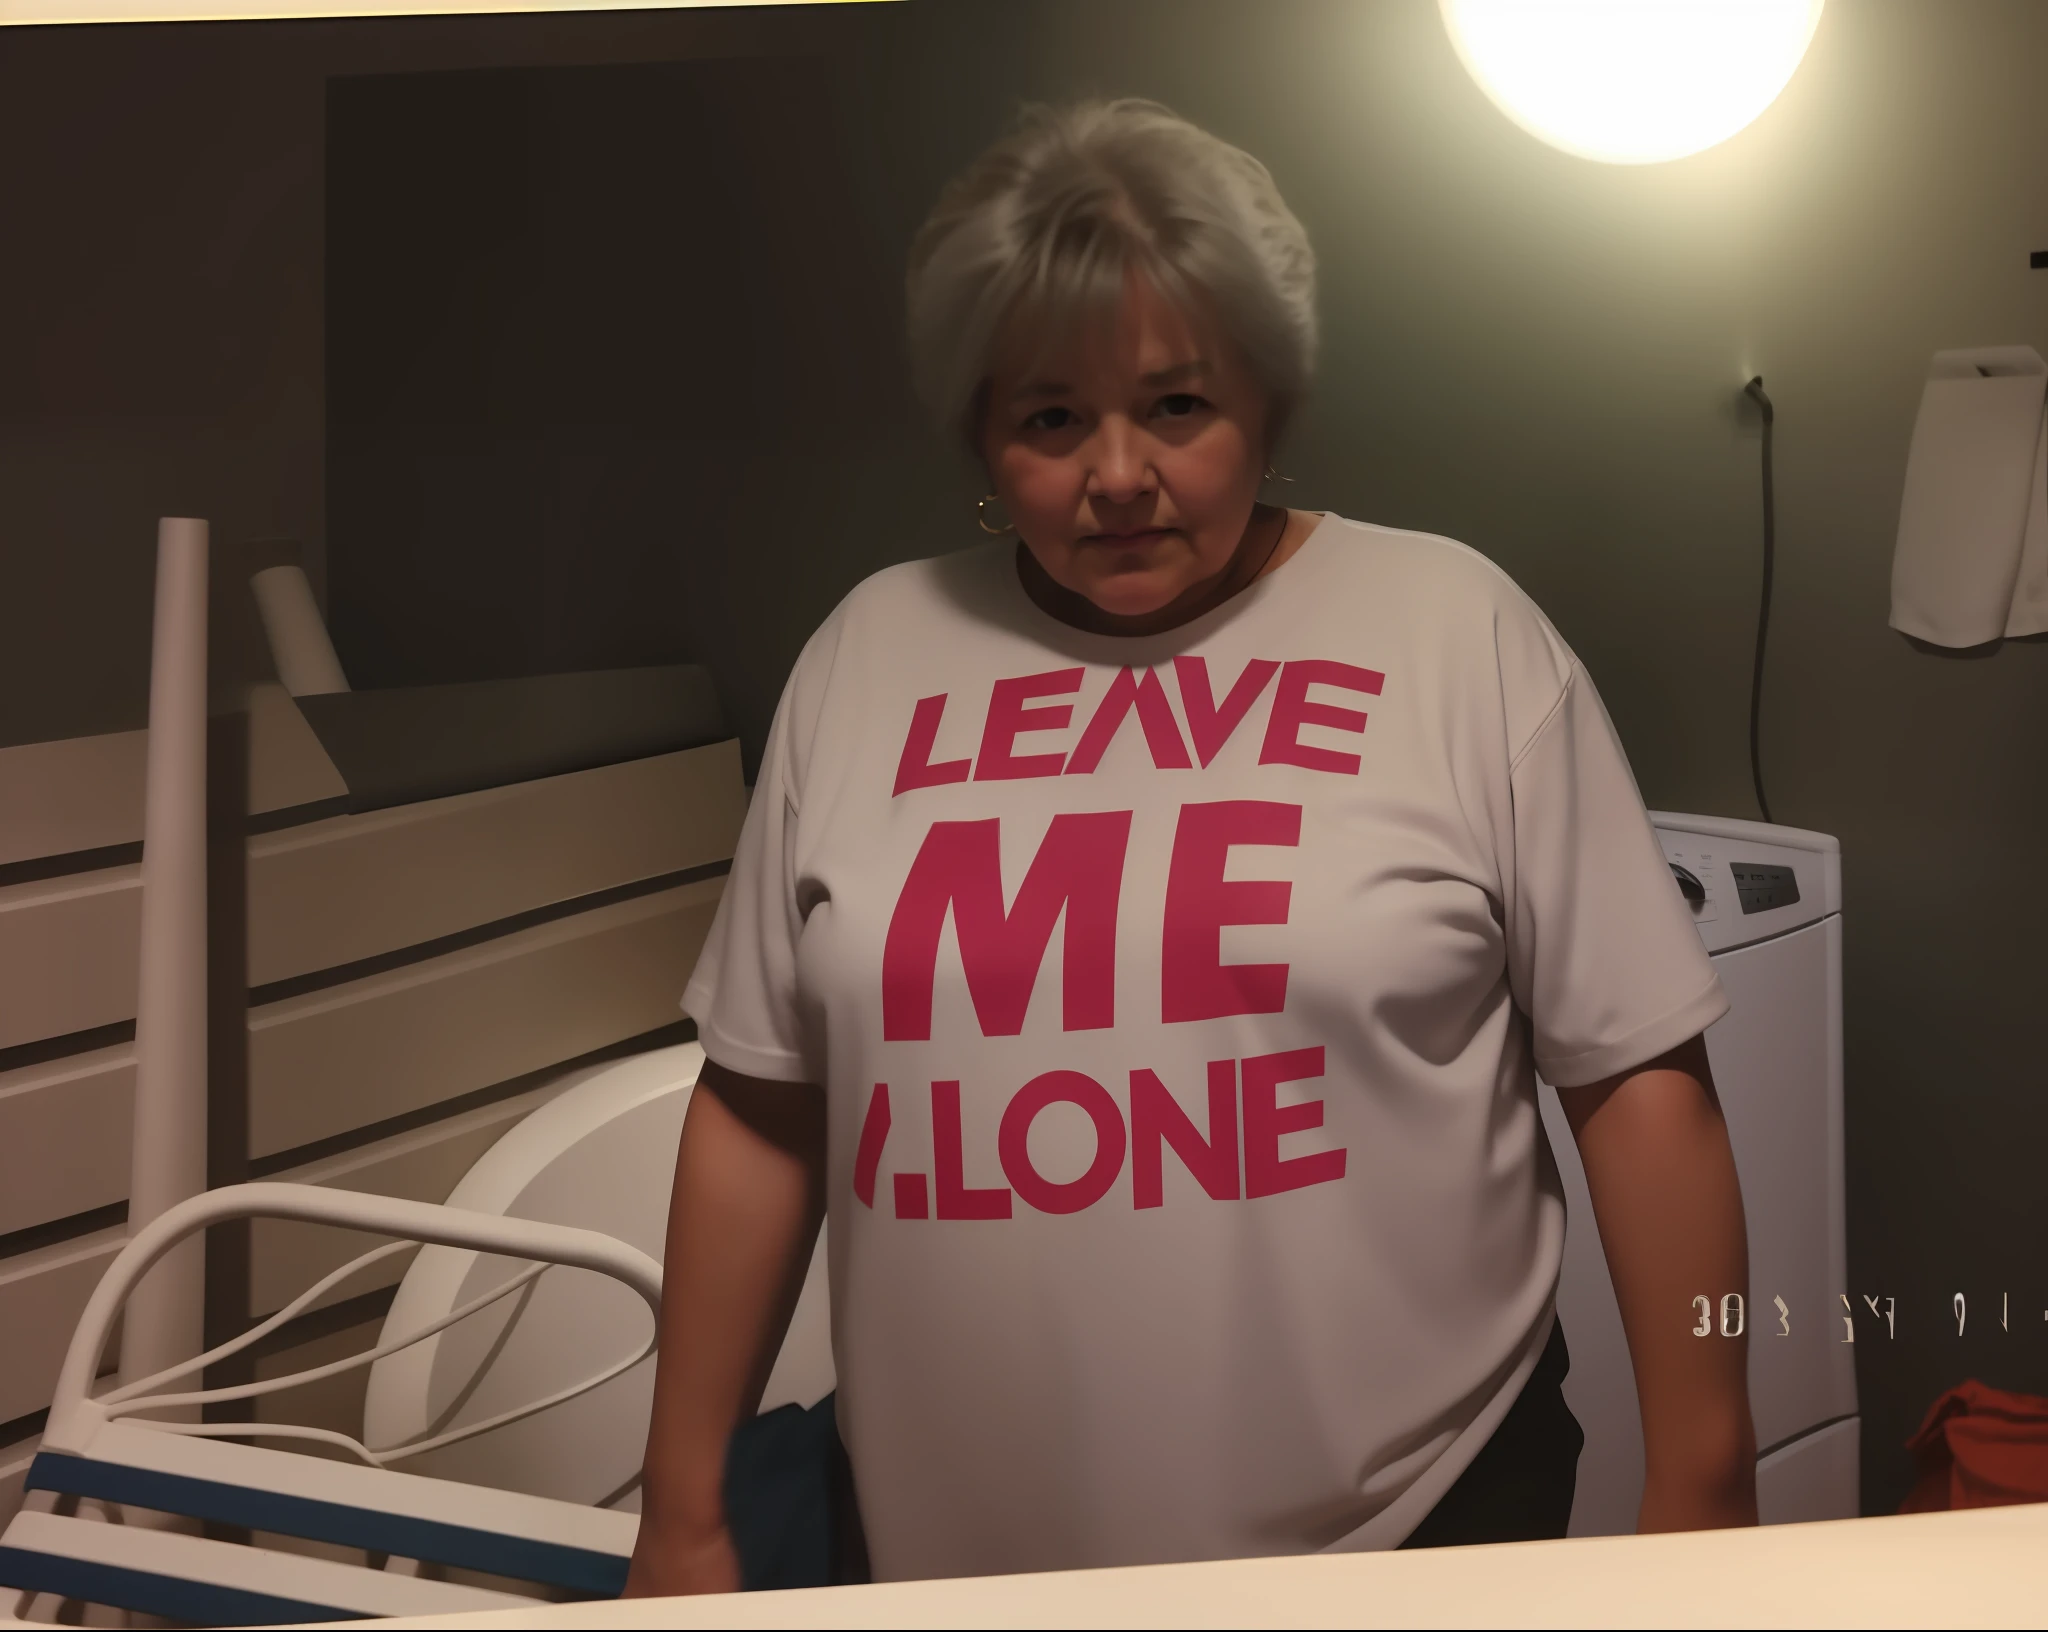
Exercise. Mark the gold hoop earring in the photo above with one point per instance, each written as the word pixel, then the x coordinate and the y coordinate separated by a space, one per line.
pixel 981 519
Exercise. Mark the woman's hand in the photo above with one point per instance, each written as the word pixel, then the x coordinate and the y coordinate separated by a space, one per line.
pixel 749 1195
pixel 682 1564
pixel 1665 1196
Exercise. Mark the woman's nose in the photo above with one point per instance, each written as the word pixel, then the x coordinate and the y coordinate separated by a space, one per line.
pixel 1122 467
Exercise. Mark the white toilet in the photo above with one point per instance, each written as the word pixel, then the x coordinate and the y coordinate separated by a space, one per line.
pixel 601 1156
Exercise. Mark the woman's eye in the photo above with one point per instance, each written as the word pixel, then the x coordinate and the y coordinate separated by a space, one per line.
pixel 1179 404
pixel 1050 419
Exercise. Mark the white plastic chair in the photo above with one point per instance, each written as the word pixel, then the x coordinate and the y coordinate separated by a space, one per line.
pixel 107 1449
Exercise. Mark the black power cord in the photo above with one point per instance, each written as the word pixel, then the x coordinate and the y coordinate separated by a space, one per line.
pixel 1755 389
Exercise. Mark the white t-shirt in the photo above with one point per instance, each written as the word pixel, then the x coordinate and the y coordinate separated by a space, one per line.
pixel 1178 1002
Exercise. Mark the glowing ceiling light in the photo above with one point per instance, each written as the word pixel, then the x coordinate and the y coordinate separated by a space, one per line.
pixel 1631 81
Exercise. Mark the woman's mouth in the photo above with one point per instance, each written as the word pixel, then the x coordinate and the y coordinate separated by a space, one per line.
pixel 1135 536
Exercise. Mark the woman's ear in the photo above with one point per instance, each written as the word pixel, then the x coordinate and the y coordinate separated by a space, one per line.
pixel 1278 414
pixel 974 426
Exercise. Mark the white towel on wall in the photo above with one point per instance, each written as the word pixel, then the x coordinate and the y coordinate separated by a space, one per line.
pixel 2029 614
pixel 1971 562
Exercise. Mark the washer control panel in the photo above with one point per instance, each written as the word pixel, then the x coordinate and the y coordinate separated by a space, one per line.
pixel 1743 882
pixel 1760 887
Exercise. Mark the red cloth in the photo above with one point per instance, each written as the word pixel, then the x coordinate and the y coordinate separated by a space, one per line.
pixel 1980 1447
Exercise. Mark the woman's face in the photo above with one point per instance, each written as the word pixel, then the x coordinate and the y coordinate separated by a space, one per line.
pixel 1130 466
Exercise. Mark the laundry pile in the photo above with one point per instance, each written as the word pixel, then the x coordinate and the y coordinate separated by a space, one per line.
pixel 1980 1447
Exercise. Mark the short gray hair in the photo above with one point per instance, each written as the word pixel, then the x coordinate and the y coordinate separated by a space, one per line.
pixel 1042 230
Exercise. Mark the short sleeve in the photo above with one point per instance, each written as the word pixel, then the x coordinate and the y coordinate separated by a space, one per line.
pixel 742 993
pixel 1602 952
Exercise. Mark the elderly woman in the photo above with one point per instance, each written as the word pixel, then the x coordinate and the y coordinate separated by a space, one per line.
pixel 1143 944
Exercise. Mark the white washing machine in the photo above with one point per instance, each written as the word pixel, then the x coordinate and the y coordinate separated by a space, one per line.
pixel 1768 904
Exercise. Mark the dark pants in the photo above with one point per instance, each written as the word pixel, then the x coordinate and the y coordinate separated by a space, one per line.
pixel 789 1490
pixel 1520 1485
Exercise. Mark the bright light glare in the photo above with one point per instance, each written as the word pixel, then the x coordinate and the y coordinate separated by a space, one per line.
pixel 1631 81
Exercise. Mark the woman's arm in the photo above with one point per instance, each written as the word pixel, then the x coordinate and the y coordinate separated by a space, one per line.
pixel 1665 1196
pixel 744 1214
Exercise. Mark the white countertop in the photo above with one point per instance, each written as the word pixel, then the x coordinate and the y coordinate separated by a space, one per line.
pixel 1988 1567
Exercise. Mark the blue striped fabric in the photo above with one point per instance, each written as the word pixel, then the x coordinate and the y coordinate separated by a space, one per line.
pixel 575 1569
pixel 167 1595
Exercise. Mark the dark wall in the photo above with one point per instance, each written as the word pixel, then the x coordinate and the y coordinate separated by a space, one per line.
pixel 1538 355
pixel 564 307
